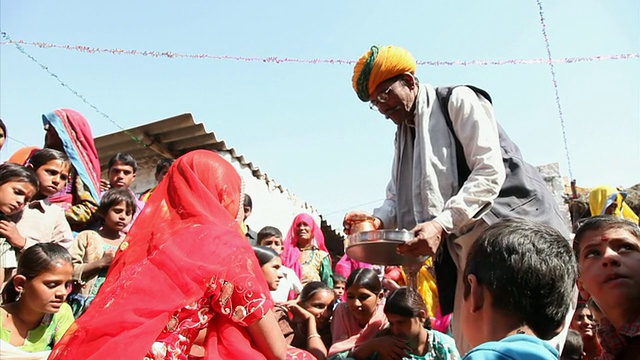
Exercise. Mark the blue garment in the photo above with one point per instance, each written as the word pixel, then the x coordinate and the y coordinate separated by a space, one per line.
pixel 516 347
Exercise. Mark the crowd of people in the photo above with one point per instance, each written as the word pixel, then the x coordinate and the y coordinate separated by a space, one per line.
pixel 91 270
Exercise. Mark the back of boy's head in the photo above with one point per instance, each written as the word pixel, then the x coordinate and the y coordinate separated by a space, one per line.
pixel 528 269
pixel 125 159
pixel 34 261
pixel 114 197
pixel 43 156
pixel 267 232
pixel 337 278
pixel 601 223
pixel 164 164
pixel 573 346
pixel 14 172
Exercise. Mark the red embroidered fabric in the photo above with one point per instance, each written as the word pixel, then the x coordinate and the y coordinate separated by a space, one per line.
pixel 184 266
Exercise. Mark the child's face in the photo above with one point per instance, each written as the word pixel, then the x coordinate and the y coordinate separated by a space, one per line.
pixel 273 242
pixel 53 177
pixel 46 292
pixel 406 328
pixel 320 305
pixel 362 303
pixel 583 322
pixel 272 273
pixel 14 195
pixel 118 217
pixel 609 265
pixel 338 289
pixel 121 175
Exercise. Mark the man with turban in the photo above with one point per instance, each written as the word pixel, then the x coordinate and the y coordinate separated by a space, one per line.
pixel 446 196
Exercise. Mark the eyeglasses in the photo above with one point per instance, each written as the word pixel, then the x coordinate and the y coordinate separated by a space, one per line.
pixel 382 97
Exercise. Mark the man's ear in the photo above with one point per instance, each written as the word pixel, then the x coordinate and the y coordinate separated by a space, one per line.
pixel 476 293
pixel 409 79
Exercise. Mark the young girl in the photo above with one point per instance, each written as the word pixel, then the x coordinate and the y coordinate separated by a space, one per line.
pixel 357 321
pixel 270 263
pixel 34 315
pixel 18 185
pixel 408 322
pixel 93 251
pixel 41 221
pixel 296 337
pixel 310 320
pixel 290 285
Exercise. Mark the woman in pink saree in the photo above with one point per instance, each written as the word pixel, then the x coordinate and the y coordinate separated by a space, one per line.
pixel 68 131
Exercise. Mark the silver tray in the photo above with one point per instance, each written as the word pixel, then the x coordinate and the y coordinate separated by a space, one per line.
pixel 379 247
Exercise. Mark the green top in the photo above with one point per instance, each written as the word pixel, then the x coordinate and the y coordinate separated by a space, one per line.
pixel 47 334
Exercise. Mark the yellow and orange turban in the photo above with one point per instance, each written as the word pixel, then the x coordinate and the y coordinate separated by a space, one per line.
pixel 379 64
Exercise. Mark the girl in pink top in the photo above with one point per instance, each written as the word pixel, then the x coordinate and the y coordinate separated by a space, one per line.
pixel 357 321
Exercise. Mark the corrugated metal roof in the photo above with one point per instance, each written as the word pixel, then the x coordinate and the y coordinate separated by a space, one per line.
pixel 174 137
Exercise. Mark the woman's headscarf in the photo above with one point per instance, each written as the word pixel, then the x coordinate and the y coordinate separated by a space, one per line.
pixel 602 196
pixel 75 133
pixel 291 252
pixel 186 235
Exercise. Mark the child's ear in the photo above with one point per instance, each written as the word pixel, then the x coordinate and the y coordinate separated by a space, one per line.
pixel 476 294
pixel 583 292
pixel 19 282
pixel 380 296
pixel 422 315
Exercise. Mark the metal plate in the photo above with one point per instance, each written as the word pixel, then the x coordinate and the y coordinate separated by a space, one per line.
pixel 379 247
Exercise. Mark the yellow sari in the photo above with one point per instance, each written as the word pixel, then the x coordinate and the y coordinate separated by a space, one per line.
pixel 601 197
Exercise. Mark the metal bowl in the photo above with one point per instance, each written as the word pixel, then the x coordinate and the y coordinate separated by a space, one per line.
pixel 379 247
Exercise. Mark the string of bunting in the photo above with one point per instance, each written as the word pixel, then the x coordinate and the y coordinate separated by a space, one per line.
pixel 279 60
pixel 77 94
pixel 555 87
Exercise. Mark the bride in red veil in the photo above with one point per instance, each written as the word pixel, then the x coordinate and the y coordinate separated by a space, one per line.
pixel 184 266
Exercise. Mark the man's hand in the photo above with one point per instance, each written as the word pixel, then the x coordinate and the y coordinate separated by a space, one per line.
pixel 9 230
pixel 427 241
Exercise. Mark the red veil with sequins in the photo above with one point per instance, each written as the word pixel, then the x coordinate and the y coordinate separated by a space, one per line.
pixel 185 246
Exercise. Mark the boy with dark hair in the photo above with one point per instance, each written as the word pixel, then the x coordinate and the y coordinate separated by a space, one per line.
pixel 162 167
pixel 290 284
pixel 339 288
pixel 122 170
pixel 607 249
pixel 518 289
pixel 271 236
pixel 122 173
pixel 250 234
